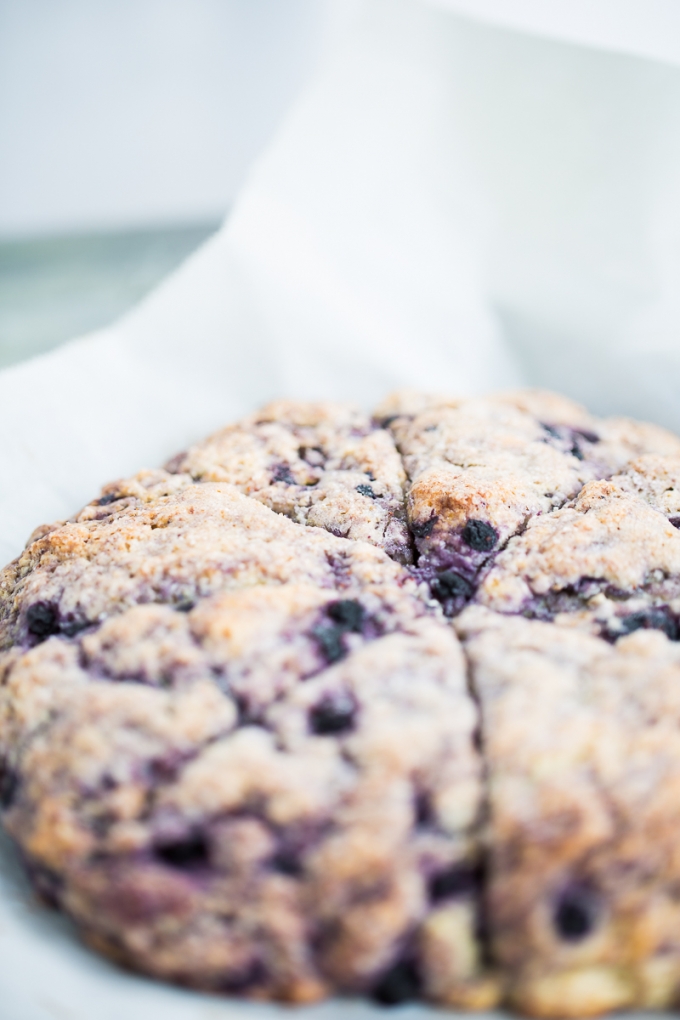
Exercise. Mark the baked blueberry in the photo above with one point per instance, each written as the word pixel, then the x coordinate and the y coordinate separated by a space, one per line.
pixel 331 643
pixel 282 473
pixel 479 535
pixel 575 914
pixel 401 983
pixel 421 529
pixel 185 854
pixel 42 620
pixel 335 713
pixel 347 613
pixel 451 585
pixel 460 880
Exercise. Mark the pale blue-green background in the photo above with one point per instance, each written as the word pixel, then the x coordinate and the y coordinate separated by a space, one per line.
pixel 55 288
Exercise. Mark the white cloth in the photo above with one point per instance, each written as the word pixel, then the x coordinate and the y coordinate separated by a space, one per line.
pixel 451 205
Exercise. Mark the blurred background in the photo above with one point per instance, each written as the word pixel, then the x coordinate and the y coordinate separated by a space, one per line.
pixel 126 130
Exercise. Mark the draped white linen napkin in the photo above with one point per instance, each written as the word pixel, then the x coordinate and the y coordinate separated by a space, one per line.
pixel 453 204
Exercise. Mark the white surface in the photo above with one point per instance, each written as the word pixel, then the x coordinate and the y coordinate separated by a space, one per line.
pixel 450 206
pixel 123 112
pixel 649 28
pixel 141 111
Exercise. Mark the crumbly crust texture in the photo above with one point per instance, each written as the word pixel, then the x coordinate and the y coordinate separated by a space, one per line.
pixel 582 751
pixel 325 465
pixel 338 704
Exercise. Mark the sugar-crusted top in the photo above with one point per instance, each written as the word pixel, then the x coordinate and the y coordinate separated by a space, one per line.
pixel 167 539
pixel 324 465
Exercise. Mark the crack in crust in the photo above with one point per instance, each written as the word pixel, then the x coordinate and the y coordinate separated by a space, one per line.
pixel 324 465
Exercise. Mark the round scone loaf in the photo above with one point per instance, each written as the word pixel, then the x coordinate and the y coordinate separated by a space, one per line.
pixel 339 704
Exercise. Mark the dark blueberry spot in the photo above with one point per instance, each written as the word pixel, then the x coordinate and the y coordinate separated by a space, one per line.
pixel 401 983
pixel 423 810
pixel 675 521
pixel 47 884
pixel 101 824
pixel 9 785
pixel 365 490
pixel 164 768
pixel 450 585
pixel 330 642
pixel 42 620
pixel 313 455
pixel 347 613
pixel 247 714
pixel 590 437
pixel 335 713
pixel 576 451
pixel 186 854
pixel 459 880
pixel 69 628
pixel 251 976
pixel 479 535
pixel 184 605
pixel 386 422
pixel 110 497
pixel 552 431
pixel 281 473
pixel 287 863
pixel 660 618
pixel 421 529
pixel 575 913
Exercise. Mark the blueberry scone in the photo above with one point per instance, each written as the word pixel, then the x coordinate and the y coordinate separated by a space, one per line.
pixel 347 705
